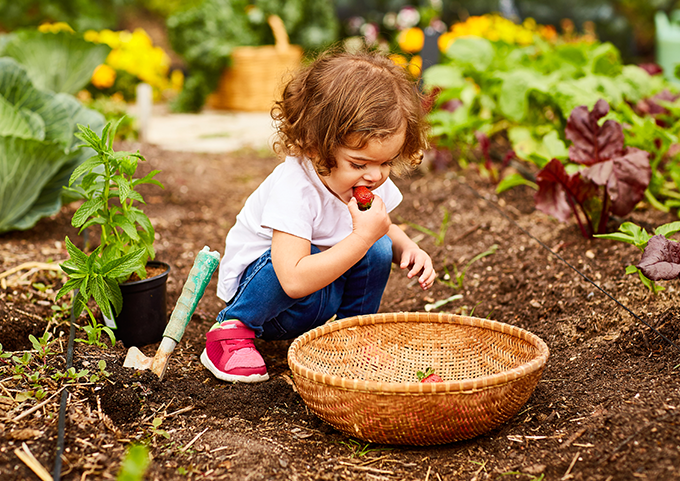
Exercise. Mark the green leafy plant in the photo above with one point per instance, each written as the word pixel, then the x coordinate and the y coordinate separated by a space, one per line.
pixel 611 177
pixel 57 62
pixel 633 234
pixel 156 430
pixel 206 35
pixel 438 236
pixel 126 234
pixel 134 464
pixel 42 344
pixel 496 87
pixel 358 449
pixel 95 331
pixel 456 282
pixel 38 147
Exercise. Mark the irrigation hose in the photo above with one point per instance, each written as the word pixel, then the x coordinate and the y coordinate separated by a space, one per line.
pixel 56 472
pixel 585 277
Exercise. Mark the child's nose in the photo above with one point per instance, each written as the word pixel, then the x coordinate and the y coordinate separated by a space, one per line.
pixel 373 174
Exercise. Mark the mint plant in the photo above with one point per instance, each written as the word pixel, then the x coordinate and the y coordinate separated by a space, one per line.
pixel 611 178
pixel 126 240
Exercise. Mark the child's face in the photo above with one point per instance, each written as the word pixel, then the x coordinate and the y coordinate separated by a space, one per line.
pixel 369 166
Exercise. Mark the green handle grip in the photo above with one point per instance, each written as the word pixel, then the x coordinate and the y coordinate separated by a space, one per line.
pixel 205 264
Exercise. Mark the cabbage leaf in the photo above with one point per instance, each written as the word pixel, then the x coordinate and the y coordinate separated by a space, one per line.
pixel 38 148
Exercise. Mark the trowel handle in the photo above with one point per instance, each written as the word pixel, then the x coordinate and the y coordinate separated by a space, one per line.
pixel 205 264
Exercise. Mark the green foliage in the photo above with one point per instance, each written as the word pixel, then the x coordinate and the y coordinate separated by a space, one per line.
pixel 535 87
pixel 113 109
pixel 633 234
pixel 35 374
pixel 359 450
pixel 127 236
pixel 456 281
pixel 42 344
pixel 80 14
pixel 156 430
pixel 134 464
pixel 94 331
pixel 59 62
pixel 438 236
pixel 206 35
pixel 38 147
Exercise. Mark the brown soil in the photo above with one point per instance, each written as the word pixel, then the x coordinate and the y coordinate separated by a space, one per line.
pixel 607 407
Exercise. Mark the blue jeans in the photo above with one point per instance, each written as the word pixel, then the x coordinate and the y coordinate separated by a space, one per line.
pixel 261 303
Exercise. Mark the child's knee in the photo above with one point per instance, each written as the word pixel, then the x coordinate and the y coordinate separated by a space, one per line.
pixel 381 252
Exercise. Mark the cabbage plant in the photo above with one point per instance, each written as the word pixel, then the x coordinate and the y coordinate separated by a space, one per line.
pixel 60 62
pixel 38 148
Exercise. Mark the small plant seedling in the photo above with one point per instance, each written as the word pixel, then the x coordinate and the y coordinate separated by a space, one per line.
pixel 440 303
pixel 155 428
pixel 459 276
pixel 61 311
pixel 359 450
pixel 42 344
pixel 530 477
pixel 134 464
pixel 438 236
pixel 94 331
pixel 633 234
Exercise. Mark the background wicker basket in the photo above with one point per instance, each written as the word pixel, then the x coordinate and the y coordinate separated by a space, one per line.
pixel 359 375
pixel 255 78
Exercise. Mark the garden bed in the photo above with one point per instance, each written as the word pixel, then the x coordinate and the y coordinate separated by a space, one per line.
pixel 607 407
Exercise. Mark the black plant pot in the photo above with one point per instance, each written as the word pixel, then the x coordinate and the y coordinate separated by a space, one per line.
pixel 143 317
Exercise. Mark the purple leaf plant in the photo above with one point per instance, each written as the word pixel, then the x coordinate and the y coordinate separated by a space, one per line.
pixel 661 259
pixel 612 180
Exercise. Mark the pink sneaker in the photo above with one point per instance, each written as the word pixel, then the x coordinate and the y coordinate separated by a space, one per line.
pixel 231 355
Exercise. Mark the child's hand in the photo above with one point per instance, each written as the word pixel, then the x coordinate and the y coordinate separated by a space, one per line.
pixel 371 224
pixel 418 262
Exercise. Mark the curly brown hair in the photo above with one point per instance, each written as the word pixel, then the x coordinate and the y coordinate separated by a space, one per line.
pixel 345 100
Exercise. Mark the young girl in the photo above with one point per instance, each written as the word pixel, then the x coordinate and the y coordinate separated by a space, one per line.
pixel 301 251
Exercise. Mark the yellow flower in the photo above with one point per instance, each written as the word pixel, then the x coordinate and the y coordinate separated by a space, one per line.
pixel 55 27
pixel 91 36
pixel 177 80
pixel 103 77
pixel 415 66
pixel 399 59
pixel 411 40
pixel 110 38
pixel 445 40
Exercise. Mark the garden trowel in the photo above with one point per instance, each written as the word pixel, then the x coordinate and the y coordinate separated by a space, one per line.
pixel 205 264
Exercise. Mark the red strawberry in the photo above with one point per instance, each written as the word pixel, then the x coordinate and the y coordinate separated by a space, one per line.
pixel 428 376
pixel 364 197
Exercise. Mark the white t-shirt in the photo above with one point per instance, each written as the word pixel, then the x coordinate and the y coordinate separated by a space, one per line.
pixel 291 199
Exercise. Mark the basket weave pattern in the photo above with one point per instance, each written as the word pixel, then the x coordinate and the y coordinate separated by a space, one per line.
pixel 256 75
pixel 359 375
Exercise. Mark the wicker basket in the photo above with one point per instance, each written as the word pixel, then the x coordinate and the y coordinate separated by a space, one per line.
pixel 359 375
pixel 255 78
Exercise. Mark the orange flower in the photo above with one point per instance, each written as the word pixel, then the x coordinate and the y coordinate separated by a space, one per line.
pixel 103 77
pixel 411 40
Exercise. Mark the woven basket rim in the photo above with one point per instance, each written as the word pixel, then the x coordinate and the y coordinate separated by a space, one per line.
pixel 465 385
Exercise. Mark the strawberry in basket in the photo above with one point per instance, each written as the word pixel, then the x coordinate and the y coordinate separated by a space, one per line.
pixel 428 376
pixel 364 197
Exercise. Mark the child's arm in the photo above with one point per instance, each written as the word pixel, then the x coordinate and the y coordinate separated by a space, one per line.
pixel 301 273
pixel 408 255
